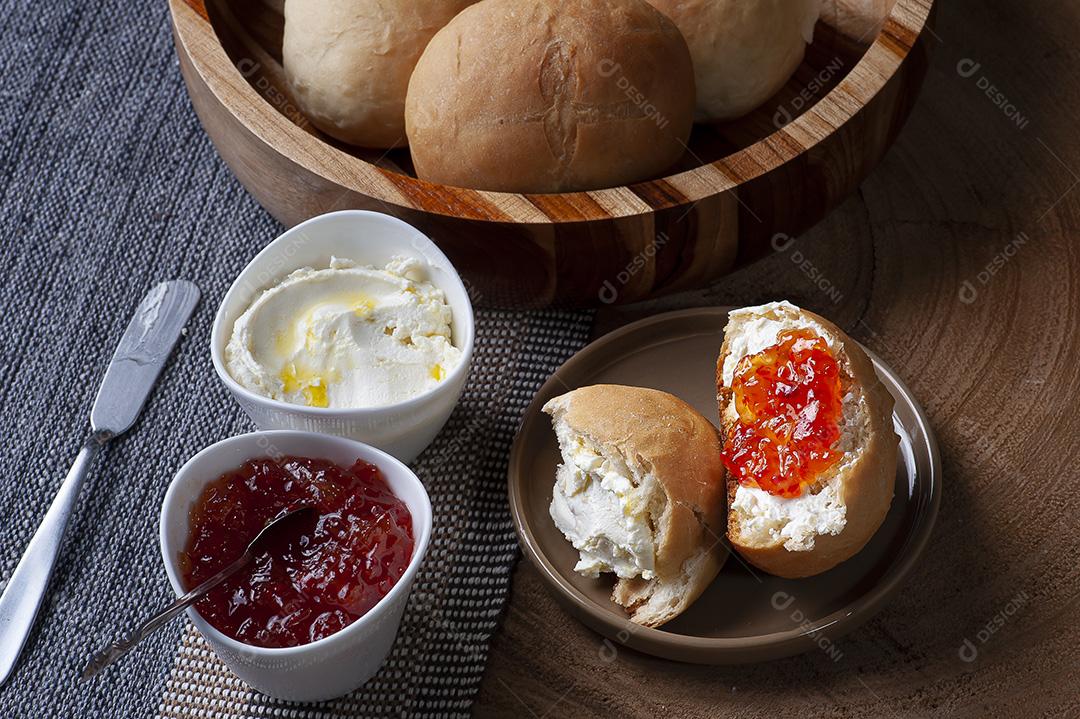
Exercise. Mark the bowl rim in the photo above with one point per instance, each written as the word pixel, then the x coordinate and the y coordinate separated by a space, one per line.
pixel 420 546
pixel 453 379
pixel 196 37
pixel 660 641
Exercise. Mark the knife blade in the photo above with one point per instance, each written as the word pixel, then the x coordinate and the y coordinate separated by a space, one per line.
pixel 141 355
pixel 135 366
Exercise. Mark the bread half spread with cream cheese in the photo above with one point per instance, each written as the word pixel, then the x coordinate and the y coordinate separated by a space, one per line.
pixel 840 508
pixel 640 493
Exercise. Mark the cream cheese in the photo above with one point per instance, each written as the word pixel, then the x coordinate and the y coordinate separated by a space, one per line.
pixel 795 521
pixel 345 336
pixel 600 511
pixel 760 331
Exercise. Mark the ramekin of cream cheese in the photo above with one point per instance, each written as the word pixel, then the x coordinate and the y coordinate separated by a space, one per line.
pixel 345 336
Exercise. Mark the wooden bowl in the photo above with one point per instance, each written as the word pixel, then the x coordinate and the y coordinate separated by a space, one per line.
pixel 741 184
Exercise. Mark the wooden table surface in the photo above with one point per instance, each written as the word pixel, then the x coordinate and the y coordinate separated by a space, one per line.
pixel 956 263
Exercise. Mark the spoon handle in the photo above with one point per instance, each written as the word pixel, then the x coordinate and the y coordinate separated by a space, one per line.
pixel 26 588
pixel 118 649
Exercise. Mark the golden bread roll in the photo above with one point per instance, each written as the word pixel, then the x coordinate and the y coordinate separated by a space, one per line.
pixel 348 62
pixel 744 50
pixel 547 96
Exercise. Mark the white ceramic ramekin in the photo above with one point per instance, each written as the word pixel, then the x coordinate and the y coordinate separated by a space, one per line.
pixel 368 238
pixel 342 662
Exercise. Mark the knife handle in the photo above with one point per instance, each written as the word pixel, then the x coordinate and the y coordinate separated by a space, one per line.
pixel 26 587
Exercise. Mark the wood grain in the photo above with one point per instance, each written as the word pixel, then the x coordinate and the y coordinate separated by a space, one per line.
pixel 778 170
pixel 976 190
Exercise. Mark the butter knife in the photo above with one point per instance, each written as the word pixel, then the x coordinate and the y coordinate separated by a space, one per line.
pixel 135 366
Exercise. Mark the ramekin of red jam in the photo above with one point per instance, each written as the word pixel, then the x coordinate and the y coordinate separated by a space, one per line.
pixel 314 615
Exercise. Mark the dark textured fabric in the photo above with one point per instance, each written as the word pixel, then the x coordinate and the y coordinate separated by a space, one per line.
pixel 108 186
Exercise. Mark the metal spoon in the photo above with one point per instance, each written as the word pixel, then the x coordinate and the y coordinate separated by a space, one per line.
pixel 275 529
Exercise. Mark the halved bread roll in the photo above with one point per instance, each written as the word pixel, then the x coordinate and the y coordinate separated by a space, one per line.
pixel 840 508
pixel 640 493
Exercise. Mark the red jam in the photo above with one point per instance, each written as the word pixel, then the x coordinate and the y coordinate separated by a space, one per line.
pixel 339 564
pixel 790 402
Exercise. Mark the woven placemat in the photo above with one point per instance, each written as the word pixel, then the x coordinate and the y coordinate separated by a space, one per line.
pixel 438 660
pixel 107 186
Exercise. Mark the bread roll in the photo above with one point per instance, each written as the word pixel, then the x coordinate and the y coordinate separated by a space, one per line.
pixel 858 19
pixel 348 62
pixel 838 513
pixel 744 50
pixel 551 96
pixel 640 493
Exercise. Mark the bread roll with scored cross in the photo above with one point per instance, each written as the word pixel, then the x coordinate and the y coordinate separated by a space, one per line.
pixel 545 96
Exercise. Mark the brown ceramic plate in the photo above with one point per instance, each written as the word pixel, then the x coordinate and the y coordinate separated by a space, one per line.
pixel 745 615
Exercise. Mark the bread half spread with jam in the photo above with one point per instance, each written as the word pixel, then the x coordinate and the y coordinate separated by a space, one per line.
pixel 809 447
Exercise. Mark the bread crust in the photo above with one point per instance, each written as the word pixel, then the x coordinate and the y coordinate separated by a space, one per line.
pixel 860 20
pixel 681 448
pixel 867 485
pixel 546 96
pixel 348 62
pixel 743 52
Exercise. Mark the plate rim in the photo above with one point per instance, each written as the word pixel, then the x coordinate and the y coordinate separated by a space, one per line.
pixel 711 650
